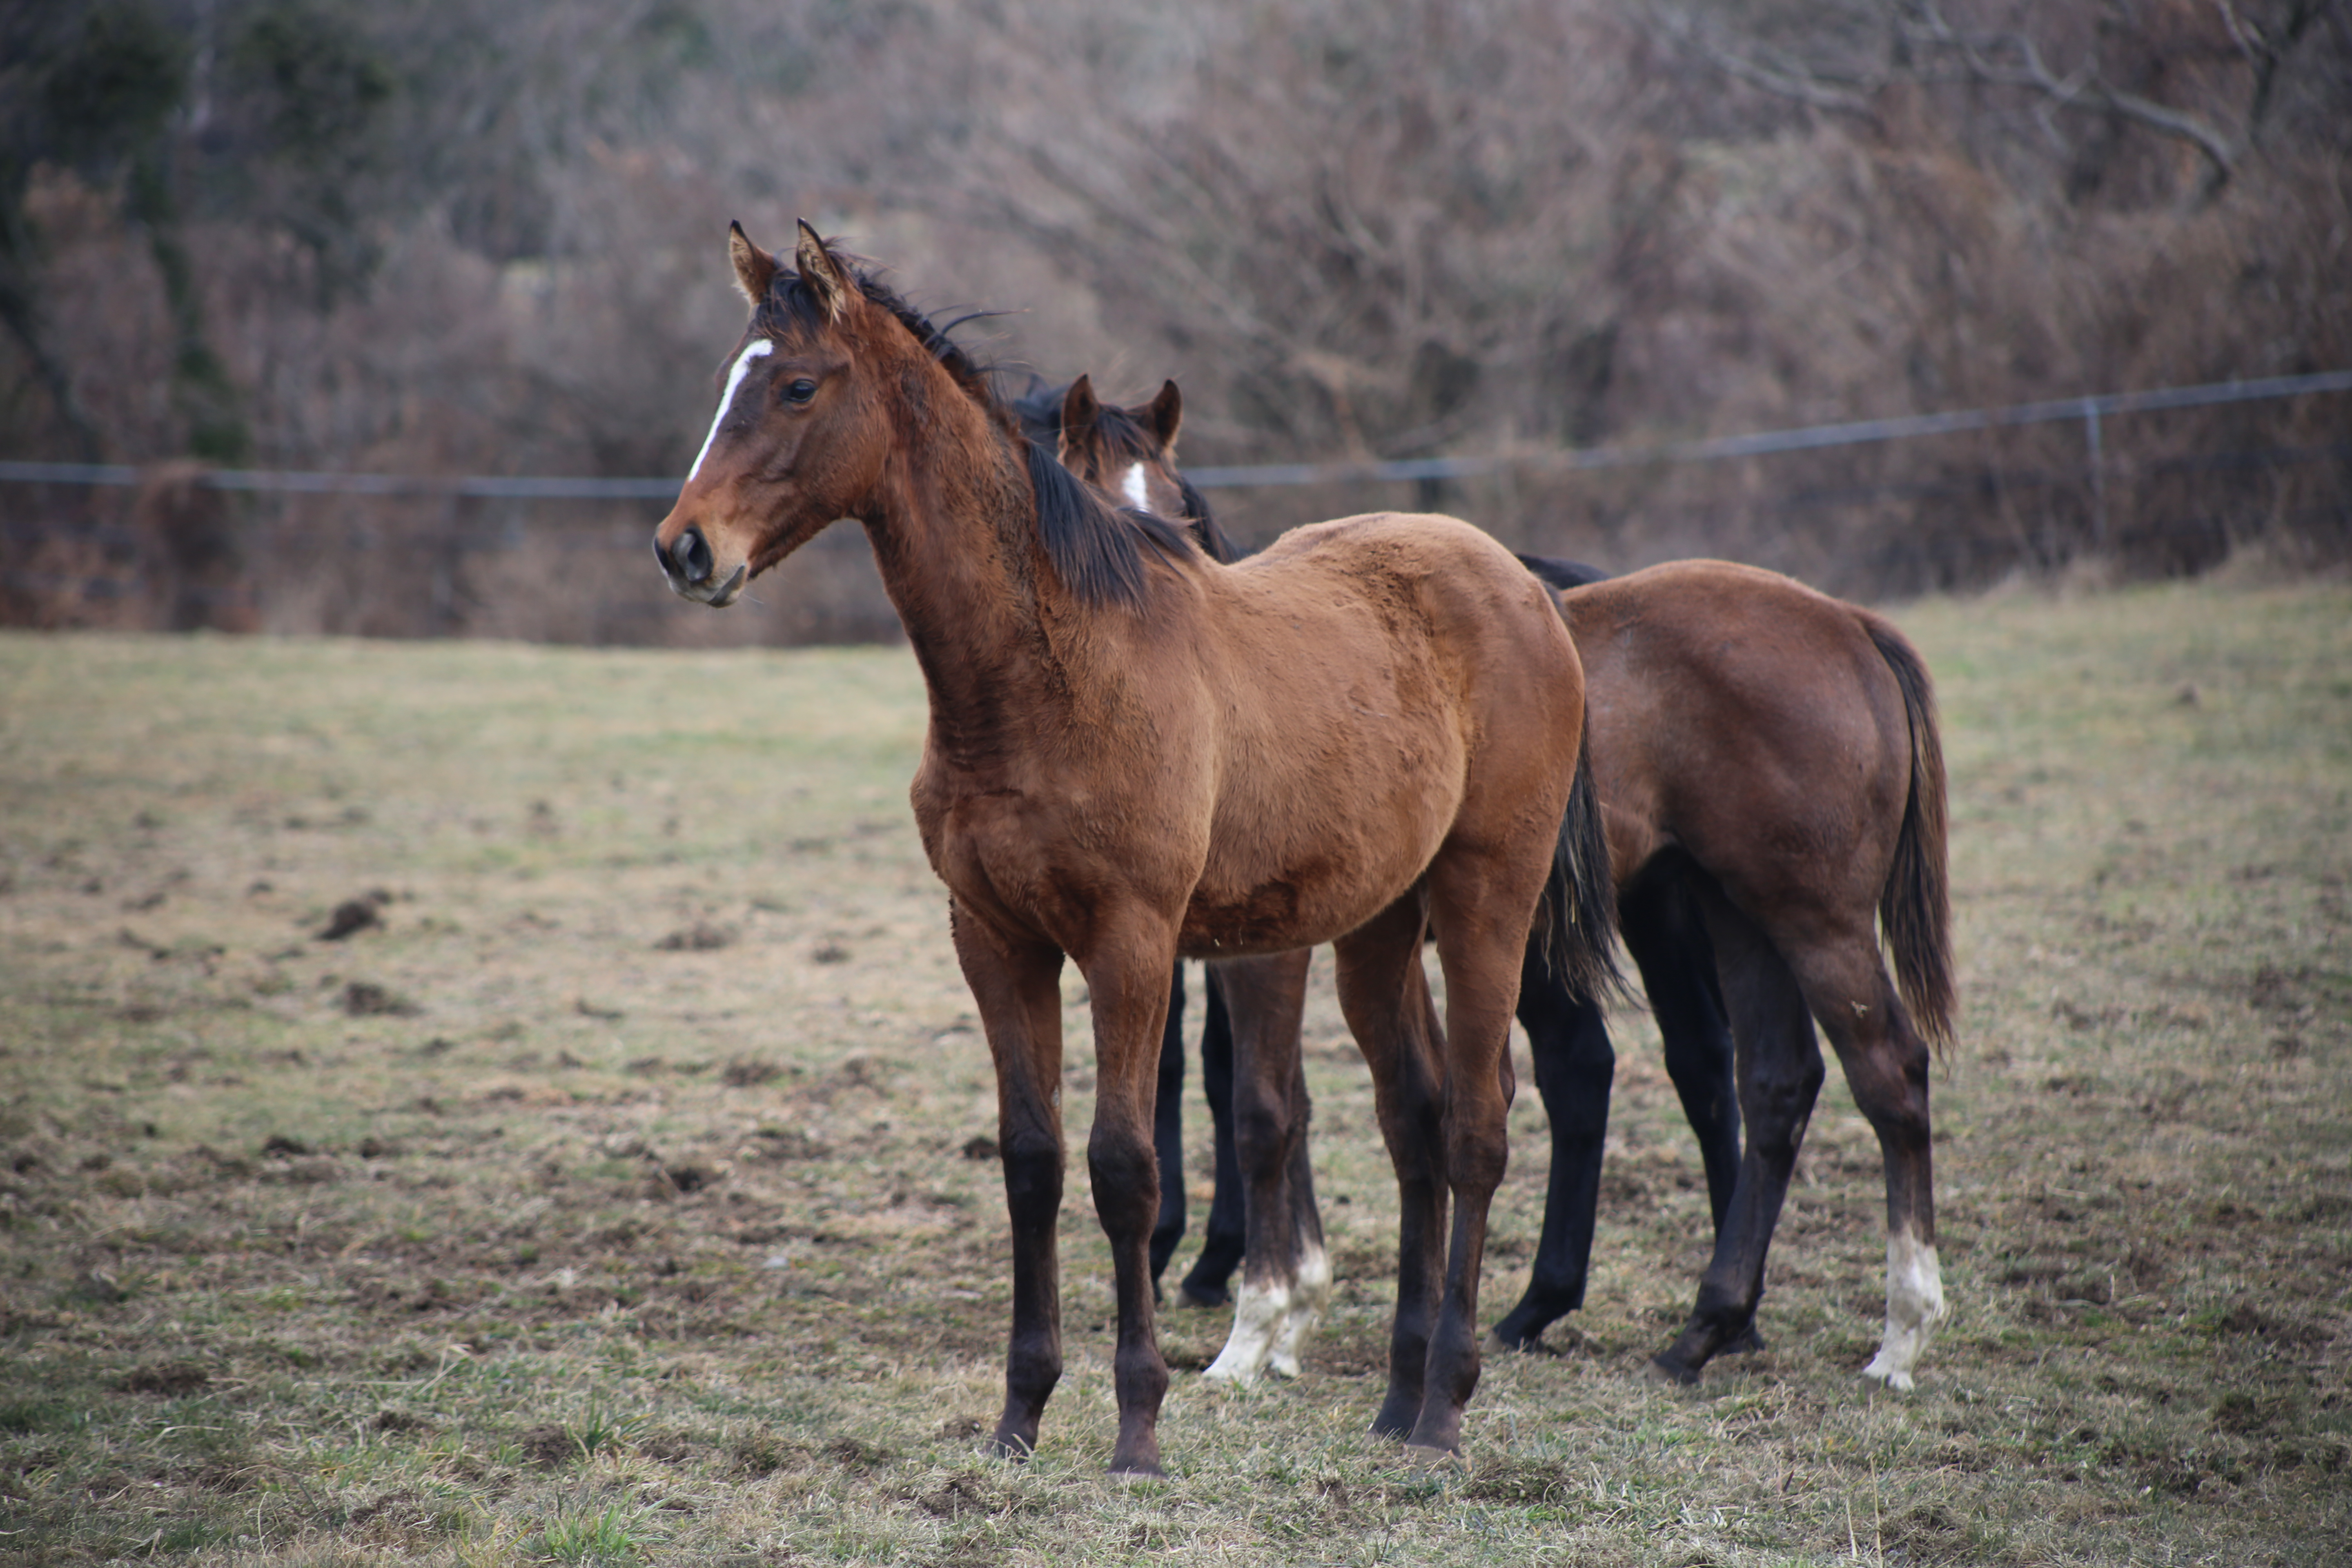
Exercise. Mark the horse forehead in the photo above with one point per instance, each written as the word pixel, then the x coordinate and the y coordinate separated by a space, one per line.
pixel 1136 485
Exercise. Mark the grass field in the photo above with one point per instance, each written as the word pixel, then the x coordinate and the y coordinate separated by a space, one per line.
pixel 617 1188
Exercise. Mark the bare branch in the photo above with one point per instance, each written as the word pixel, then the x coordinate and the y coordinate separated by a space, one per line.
pixel 1782 77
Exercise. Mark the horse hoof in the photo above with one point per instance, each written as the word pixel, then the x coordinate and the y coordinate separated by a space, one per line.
pixel 1659 1370
pixel 1190 1295
pixel 1899 1381
pixel 1428 1456
pixel 1749 1342
pixel 1134 1473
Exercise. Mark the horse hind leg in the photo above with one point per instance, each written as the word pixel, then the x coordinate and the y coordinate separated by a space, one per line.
pixel 1311 1294
pixel 1665 931
pixel 1481 950
pixel 1224 1238
pixel 1780 1078
pixel 1384 993
pixel 1285 1276
pixel 1886 1065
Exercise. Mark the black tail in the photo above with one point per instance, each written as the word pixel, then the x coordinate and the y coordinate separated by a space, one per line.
pixel 1577 921
pixel 1914 908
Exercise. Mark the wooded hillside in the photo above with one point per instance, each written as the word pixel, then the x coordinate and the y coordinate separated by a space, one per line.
pixel 466 237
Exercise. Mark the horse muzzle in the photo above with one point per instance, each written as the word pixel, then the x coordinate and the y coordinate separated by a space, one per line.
pixel 692 571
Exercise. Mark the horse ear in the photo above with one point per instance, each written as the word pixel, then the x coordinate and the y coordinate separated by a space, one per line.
pixel 1080 408
pixel 754 267
pixel 1166 415
pixel 821 272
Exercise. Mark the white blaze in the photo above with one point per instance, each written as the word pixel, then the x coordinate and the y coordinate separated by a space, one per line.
pixel 759 350
pixel 1915 1304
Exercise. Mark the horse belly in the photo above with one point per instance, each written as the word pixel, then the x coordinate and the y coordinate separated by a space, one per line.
pixel 1265 891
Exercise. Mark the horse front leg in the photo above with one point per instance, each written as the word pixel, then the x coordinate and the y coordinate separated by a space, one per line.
pixel 1384 994
pixel 1127 978
pixel 1286 1277
pixel 1017 986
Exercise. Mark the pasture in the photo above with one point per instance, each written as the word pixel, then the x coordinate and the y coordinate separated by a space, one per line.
pixel 620 1185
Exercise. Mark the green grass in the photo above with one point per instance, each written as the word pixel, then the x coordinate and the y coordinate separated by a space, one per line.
pixel 606 1200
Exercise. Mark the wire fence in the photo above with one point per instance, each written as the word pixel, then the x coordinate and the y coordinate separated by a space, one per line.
pixel 1870 507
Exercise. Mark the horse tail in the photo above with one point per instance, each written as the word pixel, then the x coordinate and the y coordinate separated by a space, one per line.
pixel 1915 907
pixel 1577 921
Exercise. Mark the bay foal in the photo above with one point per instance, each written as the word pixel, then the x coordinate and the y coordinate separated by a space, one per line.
pixel 1137 753
pixel 1771 776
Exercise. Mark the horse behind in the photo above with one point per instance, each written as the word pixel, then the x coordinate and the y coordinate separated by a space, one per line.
pixel 1771 777
pixel 1137 753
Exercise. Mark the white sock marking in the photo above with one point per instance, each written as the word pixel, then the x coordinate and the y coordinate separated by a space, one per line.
pixel 1259 1311
pixel 760 349
pixel 1915 1305
pixel 1306 1307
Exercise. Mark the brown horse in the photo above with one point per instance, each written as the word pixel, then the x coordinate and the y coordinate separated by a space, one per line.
pixel 1773 782
pixel 1137 753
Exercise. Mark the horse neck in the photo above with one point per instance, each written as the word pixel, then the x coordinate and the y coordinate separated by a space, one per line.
pixel 953 526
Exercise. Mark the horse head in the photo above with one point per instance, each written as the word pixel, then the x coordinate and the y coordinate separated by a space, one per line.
pixel 796 442
pixel 1131 453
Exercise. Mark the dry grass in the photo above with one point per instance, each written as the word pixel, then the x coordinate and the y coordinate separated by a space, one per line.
pixel 606 1198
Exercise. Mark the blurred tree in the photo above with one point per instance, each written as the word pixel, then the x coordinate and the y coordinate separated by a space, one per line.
pixel 268 114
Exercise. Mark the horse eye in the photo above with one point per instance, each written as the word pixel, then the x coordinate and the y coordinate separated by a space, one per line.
pixel 800 391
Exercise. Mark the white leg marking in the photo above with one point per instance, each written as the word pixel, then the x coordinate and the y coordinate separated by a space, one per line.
pixel 1306 1307
pixel 1259 1310
pixel 759 350
pixel 1133 487
pixel 1915 1304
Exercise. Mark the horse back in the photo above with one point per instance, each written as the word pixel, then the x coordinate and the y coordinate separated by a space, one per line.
pixel 1385 686
pixel 1751 722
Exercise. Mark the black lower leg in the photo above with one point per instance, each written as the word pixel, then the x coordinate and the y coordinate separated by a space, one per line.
pixel 1209 1283
pixel 1574 1066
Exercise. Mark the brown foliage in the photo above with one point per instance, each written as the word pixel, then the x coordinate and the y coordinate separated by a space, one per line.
pixel 1404 230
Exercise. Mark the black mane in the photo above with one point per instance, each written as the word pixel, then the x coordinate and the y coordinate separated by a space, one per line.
pixel 1095 548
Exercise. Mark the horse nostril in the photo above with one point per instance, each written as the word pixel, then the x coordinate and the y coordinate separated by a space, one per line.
pixel 690 556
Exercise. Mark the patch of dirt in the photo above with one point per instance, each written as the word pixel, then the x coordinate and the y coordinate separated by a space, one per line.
pixel 366 999
pixel 170 1378
pixel 702 936
pixel 962 1494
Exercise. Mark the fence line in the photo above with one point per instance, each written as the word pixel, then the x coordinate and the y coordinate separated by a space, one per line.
pixel 2090 410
